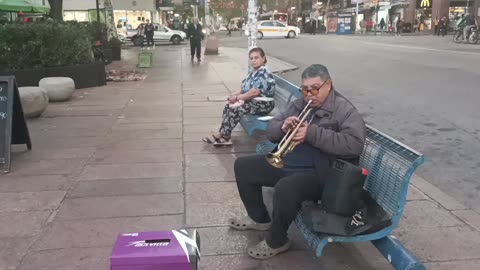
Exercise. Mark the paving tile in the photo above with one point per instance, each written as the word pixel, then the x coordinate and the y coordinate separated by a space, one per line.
pixel 205 173
pixel 73 132
pixel 221 160
pixel 46 167
pixel 41 153
pixel 147 134
pixel 229 262
pixel 145 120
pixel 30 201
pixel 110 156
pixel 427 214
pixel 209 128
pixel 68 142
pixel 22 224
pixel 64 123
pixel 68 259
pixel 147 144
pixel 198 136
pixel 205 88
pixel 470 217
pixel 12 251
pixel 223 240
pixel 121 206
pixel 211 204
pixel 440 243
pixel 204 148
pixel 33 183
pixel 414 194
pixel 201 112
pixel 436 194
pixel 126 187
pixel 147 126
pixel 100 232
pixel 457 265
pixel 135 171
pixel 202 120
pixel 87 111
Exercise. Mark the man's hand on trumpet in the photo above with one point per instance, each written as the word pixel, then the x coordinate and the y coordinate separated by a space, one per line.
pixel 289 123
pixel 301 134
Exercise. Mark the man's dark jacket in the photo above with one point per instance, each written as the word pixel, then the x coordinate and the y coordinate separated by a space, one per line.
pixel 195 34
pixel 337 129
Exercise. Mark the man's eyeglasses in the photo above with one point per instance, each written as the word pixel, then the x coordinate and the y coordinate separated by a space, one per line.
pixel 314 91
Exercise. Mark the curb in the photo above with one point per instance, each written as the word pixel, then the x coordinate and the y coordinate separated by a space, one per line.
pixel 451 205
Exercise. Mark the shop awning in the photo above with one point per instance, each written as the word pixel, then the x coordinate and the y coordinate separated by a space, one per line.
pixel 27 6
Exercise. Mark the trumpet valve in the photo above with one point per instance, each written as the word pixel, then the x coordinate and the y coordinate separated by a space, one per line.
pixel 275 160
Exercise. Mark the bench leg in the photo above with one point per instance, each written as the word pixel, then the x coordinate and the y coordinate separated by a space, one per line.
pixel 397 254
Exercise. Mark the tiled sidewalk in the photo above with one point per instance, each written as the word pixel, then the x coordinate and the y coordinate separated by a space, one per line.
pixel 129 157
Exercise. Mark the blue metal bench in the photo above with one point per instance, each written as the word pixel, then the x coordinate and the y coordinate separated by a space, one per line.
pixel 284 92
pixel 390 165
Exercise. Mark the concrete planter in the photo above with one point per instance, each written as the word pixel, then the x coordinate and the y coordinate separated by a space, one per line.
pixel 84 76
pixel 34 101
pixel 58 88
pixel 26 77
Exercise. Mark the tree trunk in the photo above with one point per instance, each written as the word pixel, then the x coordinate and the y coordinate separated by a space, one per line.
pixel 56 9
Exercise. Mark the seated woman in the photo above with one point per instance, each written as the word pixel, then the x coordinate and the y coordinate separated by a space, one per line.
pixel 255 97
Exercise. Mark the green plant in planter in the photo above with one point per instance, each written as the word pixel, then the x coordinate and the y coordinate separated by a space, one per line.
pixel 114 42
pixel 46 44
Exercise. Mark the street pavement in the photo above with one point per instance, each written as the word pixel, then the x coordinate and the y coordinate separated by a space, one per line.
pixel 423 90
pixel 128 157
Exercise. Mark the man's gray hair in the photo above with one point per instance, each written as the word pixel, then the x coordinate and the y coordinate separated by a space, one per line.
pixel 316 70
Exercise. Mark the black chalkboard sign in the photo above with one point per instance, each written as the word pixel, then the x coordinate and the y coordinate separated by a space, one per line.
pixel 13 128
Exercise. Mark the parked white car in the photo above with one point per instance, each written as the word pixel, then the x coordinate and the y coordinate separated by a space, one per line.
pixel 162 34
pixel 275 29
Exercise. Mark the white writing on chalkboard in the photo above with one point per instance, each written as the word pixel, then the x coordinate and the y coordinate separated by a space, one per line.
pixel 3 98
pixel 1 89
pixel 3 115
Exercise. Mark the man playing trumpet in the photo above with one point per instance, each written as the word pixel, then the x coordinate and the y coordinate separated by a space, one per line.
pixel 332 129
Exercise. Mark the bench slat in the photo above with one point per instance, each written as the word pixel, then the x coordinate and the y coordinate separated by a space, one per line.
pixel 390 165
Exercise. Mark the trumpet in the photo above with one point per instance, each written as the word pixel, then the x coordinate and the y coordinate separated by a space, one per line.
pixel 286 145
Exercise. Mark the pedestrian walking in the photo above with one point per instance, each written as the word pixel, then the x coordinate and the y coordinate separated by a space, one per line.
pixel 229 29
pixel 149 32
pixel 240 26
pixel 140 34
pixel 443 26
pixel 382 25
pixel 362 26
pixel 314 26
pixel 436 23
pixel 195 34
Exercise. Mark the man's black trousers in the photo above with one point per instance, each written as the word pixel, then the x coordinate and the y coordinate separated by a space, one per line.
pixel 195 46
pixel 291 189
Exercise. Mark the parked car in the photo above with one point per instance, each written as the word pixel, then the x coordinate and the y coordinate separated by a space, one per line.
pixel 275 29
pixel 162 34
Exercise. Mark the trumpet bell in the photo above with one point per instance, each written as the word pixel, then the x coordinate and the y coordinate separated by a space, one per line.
pixel 274 160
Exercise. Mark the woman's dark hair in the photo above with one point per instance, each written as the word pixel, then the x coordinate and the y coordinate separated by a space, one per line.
pixel 260 51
